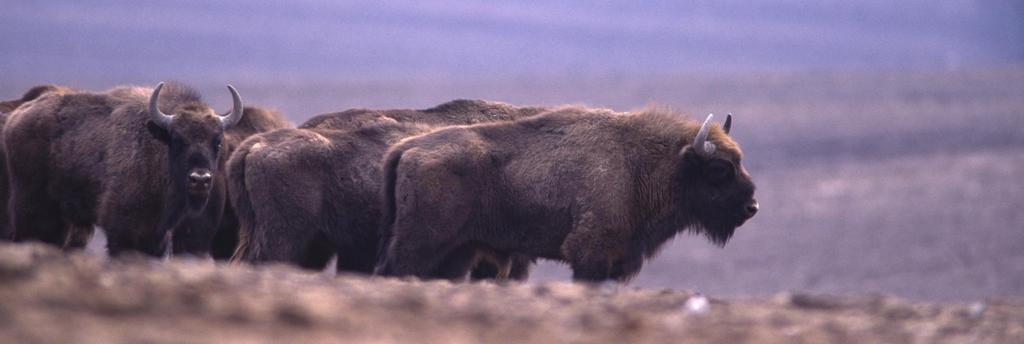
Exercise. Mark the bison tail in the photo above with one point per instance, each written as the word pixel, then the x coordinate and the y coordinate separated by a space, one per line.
pixel 242 203
pixel 391 160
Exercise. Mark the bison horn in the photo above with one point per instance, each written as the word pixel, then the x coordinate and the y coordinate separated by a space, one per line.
pixel 700 143
pixel 236 112
pixel 155 115
pixel 728 123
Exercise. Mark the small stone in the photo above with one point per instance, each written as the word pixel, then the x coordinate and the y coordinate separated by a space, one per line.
pixel 697 305
pixel 976 309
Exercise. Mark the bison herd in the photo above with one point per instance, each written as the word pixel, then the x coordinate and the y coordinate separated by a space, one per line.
pixel 472 188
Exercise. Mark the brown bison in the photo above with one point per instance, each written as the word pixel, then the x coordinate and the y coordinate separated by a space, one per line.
pixel 132 160
pixel 6 107
pixel 215 231
pixel 303 195
pixel 599 190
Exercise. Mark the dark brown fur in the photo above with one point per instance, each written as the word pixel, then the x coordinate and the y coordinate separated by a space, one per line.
pixel 215 232
pixel 78 158
pixel 5 227
pixel 303 195
pixel 6 107
pixel 599 190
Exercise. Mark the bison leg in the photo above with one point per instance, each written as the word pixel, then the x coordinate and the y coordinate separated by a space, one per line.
pixel 419 245
pixel 597 248
pixel 521 266
pixel 485 270
pixel 600 270
pixel 309 253
pixel 79 236
pixel 36 217
pixel 417 250
pixel 225 240
pixel 296 239
pixel 410 258
pixel 590 271
pixel 34 214
pixel 358 258
pixel 518 270
pixel 193 237
pixel 316 253
pixel 431 207
pixel 132 225
pixel 491 264
pixel 458 263
pixel 482 263
pixel 152 242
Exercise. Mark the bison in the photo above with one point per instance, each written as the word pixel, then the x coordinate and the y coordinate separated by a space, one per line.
pixel 306 194
pixel 215 231
pixel 132 160
pixel 6 107
pixel 599 190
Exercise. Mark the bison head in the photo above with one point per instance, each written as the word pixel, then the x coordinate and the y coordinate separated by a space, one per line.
pixel 193 133
pixel 722 193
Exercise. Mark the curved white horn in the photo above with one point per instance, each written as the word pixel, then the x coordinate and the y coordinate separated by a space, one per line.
pixel 700 143
pixel 155 115
pixel 236 112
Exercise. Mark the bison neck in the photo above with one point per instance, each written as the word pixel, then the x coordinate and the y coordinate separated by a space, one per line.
pixel 662 211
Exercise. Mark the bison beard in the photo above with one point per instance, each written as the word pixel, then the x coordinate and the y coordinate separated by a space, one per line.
pixel 597 189
pixel 115 159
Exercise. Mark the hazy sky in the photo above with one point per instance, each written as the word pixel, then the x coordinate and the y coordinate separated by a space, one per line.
pixel 92 41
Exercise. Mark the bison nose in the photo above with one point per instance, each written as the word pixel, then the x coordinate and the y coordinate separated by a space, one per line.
pixel 752 208
pixel 200 178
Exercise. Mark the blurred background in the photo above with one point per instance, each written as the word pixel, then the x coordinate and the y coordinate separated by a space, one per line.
pixel 886 138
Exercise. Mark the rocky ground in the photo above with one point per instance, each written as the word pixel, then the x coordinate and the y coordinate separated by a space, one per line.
pixel 49 296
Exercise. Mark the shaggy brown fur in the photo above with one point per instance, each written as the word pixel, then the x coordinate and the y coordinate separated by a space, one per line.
pixel 215 232
pixel 599 190
pixel 6 107
pixel 5 227
pixel 78 158
pixel 306 194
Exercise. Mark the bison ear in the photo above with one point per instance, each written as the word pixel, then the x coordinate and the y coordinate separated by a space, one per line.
pixel 690 155
pixel 690 161
pixel 158 132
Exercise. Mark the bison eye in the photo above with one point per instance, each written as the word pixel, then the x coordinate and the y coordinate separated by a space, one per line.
pixel 719 171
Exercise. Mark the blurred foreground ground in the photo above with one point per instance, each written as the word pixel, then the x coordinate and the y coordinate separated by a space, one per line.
pixel 48 296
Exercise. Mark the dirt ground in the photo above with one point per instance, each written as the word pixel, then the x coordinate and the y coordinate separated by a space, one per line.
pixel 50 297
